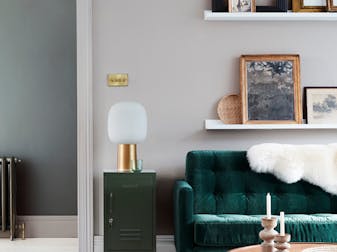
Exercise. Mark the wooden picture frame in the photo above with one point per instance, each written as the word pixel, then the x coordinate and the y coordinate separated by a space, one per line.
pixel 320 105
pixel 270 89
pixel 279 6
pixel 332 5
pixel 309 5
pixel 233 6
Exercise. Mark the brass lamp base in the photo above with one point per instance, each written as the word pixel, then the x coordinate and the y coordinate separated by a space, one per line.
pixel 126 153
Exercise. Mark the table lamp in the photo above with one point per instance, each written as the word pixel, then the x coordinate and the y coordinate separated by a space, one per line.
pixel 127 126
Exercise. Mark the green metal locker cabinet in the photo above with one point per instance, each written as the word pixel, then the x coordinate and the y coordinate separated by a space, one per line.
pixel 129 212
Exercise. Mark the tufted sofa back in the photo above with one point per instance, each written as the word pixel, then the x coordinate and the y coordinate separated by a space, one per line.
pixel 223 182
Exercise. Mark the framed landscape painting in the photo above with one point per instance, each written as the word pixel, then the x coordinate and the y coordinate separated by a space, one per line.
pixel 321 105
pixel 309 5
pixel 270 89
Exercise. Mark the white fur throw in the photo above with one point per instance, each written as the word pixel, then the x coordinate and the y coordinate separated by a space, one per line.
pixel 316 164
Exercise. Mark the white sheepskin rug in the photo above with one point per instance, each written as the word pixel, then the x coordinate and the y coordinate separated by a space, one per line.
pixel 316 164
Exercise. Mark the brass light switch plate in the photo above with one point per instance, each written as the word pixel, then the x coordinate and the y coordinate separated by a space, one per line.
pixel 118 80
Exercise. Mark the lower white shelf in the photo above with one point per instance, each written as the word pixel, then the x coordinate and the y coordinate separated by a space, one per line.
pixel 270 16
pixel 219 125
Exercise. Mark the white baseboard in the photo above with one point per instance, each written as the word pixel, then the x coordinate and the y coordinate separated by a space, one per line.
pixel 165 243
pixel 98 243
pixel 49 226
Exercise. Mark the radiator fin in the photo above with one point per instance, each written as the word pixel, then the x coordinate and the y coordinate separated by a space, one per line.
pixel 8 196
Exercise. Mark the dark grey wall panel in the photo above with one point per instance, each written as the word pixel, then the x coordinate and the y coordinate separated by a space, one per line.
pixel 38 102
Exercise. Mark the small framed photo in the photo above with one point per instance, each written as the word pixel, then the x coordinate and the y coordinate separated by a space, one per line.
pixel 272 6
pixel 309 5
pixel 332 5
pixel 270 89
pixel 219 6
pixel 321 104
pixel 241 6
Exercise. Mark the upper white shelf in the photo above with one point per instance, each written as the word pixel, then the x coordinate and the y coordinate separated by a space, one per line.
pixel 219 125
pixel 270 16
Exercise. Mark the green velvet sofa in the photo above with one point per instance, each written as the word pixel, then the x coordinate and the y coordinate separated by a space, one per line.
pixel 220 203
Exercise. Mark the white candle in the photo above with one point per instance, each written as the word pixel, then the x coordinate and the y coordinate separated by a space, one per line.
pixel 268 200
pixel 282 228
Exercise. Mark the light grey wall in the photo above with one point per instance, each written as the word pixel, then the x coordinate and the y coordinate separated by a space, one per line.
pixel 180 66
pixel 38 102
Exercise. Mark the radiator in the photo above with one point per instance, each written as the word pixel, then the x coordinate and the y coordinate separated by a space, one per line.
pixel 8 196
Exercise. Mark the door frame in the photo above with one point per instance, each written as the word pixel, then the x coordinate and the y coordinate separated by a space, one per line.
pixel 84 125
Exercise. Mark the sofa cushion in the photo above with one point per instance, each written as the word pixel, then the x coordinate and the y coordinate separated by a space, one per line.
pixel 223 183
pixel 241 230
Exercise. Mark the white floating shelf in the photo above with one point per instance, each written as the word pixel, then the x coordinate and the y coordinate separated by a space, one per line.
pixel 270 16
pixel 219 125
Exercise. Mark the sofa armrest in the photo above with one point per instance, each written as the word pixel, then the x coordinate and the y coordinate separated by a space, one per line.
pixel 183 216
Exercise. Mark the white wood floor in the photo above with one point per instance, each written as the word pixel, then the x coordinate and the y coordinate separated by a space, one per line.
pixel 39 245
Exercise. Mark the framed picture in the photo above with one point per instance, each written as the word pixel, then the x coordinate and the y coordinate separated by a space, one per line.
pixel 272 6
pixel 241 6
pixel 309 5
pixel 321 104
pixel 219 6
pixel 332 5
pixel 270 89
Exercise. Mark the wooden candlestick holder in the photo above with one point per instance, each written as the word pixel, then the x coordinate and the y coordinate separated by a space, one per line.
pixel 268 234
pixel 282 243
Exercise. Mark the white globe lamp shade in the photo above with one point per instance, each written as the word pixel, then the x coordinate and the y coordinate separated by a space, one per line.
pixel 127 123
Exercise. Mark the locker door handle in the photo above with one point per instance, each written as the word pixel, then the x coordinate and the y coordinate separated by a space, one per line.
pixel 111 219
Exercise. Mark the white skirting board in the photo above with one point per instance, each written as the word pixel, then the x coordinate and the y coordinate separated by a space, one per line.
pixel 165 243
pixel 49 226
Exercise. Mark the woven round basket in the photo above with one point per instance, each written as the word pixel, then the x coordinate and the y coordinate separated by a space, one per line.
pixel 229 109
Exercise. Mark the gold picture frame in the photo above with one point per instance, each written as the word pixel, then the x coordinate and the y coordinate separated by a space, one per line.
pixel 247 6
pixel 332 5
pixel 270 89
pixel 302 6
